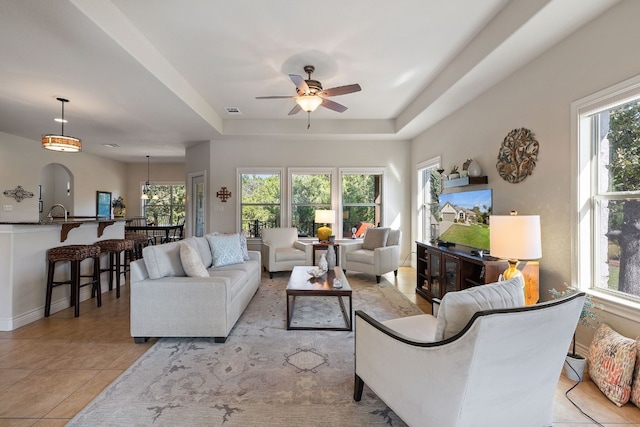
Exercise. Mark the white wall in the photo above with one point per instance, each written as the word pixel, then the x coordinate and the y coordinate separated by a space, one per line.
pixel 227 156
pixel 538 97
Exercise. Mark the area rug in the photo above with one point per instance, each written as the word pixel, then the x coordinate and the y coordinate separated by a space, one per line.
pixel 263 375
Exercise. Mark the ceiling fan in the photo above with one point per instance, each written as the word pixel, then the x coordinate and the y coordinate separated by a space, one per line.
pixel 310 94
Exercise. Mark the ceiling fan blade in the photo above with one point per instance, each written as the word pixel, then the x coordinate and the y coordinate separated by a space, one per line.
pixel 299 82
pixel 274 97
pixel 295 110
pixel 326 103
pixel 341 90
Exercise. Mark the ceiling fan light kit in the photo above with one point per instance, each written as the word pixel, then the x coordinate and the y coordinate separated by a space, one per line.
pixel 311 95
pixel 67 144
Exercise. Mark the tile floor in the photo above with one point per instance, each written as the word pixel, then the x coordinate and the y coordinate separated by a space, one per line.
pixel 52 368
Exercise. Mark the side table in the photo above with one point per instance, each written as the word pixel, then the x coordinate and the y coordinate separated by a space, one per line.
pixel 324 246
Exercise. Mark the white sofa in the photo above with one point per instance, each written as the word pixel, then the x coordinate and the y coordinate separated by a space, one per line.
pixel 165 302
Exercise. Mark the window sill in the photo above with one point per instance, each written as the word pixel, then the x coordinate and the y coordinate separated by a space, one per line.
pixel 622 307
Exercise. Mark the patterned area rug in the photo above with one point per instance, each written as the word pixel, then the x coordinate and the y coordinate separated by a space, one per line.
pixel 263 375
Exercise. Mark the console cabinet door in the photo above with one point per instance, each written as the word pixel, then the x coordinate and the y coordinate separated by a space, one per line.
pixel 451 273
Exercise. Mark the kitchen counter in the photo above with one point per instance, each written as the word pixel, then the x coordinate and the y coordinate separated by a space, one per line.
pixel 23 264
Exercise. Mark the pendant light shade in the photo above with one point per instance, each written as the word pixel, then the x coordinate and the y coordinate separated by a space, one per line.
pixel 68 144
pixel 145 188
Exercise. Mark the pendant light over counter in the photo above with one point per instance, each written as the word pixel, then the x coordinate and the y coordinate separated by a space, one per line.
pixel 145 189
pixel 63 143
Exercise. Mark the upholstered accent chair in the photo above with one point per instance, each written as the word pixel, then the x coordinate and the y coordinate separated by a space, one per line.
pixel 377 254
pixel 499 367
pixel 281 250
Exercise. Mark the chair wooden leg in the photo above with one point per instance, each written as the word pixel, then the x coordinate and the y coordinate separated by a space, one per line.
pixel 358 386
pixel 47 304
pixel 395 273
pixel 378 279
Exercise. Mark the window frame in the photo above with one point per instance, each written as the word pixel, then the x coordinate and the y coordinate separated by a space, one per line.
pixel 584 192
pixel 260 171
pixel 309 171
pixel 424 191
pixel 382 171
pixel 145 202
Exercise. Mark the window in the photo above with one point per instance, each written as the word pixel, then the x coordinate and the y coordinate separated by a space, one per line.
pixel 260 200
pixel 429 187
pixel 165 205
pixel 609 191
pixel 310 191
pixel 361 199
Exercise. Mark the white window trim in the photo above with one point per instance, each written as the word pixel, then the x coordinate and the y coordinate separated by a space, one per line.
pixel 583 170
pixel 420 199
pixel 365 171
pixel 310 171
pixel 260 171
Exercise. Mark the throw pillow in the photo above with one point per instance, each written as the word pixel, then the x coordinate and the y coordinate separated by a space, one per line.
pixel 612 358
pixel 191 261
pixel 225 249
pixel 163 260
pixel 375 238
pixel 635 384
pixel 243 246
pixel 457 308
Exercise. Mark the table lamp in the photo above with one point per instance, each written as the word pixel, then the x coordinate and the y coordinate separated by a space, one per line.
pixel 516 237
pixel 324 217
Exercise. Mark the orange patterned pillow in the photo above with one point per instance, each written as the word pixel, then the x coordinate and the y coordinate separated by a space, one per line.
pixel 635 385
pixel 612 358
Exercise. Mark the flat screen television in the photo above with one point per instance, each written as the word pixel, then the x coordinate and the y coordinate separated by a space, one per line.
pixel 463 218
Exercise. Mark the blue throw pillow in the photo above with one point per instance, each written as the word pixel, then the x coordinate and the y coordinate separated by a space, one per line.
pixel 225 249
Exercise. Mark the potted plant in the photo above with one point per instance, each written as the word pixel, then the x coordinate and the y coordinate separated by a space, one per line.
pixel 119 208
pixel 454 172
pixel 574 362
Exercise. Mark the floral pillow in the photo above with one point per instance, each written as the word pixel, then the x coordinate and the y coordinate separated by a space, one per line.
pixel 612 358
pixel 635 385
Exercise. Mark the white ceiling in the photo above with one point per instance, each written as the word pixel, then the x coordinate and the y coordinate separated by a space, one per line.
pixel 154 76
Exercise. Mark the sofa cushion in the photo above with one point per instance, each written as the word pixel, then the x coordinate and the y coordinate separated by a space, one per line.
pixel 235 280
pixel 201 244
pixel 289 254
pixel 421 327
pixel 279 237
pixel 457 308
pixel 225 249
pixel 612 358
pixel 375 238
pixel 362 256
pixel 191 262
pixel 163 260
pixel 243 245
pixel 394 238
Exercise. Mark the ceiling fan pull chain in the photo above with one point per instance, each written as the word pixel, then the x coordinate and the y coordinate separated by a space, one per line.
pixel 308 119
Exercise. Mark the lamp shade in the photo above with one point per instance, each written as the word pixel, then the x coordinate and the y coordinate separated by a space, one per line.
pixel 515 237
pixel 309 103
pixel 325 217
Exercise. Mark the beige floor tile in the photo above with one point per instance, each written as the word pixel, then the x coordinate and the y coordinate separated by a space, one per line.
pixel 40 392
pixel 84 395
pixel 21 422
pixel 8 377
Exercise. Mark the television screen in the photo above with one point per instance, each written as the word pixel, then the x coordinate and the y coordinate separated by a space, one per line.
pixel 464 218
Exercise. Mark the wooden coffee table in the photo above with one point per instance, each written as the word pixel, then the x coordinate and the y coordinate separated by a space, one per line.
pixel 302 284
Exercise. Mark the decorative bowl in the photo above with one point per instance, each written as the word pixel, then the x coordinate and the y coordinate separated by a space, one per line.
pixel 316 272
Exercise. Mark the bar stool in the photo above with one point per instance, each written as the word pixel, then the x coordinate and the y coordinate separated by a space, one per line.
pixel 139 242
pixel 115 248
pixel 74 254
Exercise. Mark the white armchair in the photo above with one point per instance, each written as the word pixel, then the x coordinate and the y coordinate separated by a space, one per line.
pixel 500 367
pixel 377 254
pixel 281 250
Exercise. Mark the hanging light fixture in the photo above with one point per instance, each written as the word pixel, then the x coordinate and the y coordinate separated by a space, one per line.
pixel 67 144
pixel 145 188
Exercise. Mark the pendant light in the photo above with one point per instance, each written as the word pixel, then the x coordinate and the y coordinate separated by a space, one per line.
pixel 145 188
pixel 67 144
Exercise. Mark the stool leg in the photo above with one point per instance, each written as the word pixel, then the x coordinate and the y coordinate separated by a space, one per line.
pixel 117 255
pixel 47 304
pixel 111 257
pixel 75 287
pixel 97 288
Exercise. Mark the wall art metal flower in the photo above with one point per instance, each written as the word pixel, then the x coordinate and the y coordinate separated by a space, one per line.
pixel 18 193
pixel 518 155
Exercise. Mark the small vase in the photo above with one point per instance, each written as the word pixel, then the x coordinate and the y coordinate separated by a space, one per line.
pixel 322 264
pixel 331 257
pixel 474 169
pixel 574 367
